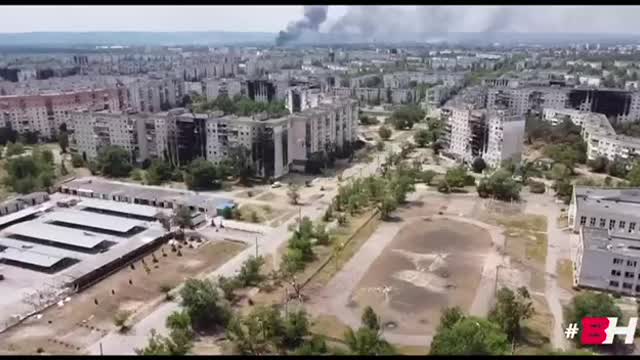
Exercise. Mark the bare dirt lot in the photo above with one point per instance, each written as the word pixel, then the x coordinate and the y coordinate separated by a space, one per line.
pixel 80 322
pixel 429 265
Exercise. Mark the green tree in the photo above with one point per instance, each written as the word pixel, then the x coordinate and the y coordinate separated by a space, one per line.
pixel 26 174
pixel 384 133
pixel 158 172
pixel 240 159
pixel 470 336
pixel 202 175
pixel 157 345
pixel 591 304
pixel 560 172
pixel 478 165
pixel 634 175
pixel 76 160
pixel 599 164
pixel 537 187
pixel 617 168
pixel 182 217
pixel 370 319
pixel 406 116
pixel 449 317
pixel 563 189
pixel 500 185
pixel 63 141
pixel 249 274
pixel 366 341
pixel 15 148
pixel 114 161
pixel 456 177
pixel 511 309
pixel 422 138
pixel 202 302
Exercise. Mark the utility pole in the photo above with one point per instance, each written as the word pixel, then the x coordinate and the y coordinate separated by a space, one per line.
pixel 256 247
pixel 101 353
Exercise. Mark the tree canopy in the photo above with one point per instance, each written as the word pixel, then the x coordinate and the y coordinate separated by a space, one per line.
pixel 462 335
pixel 591 304
pixel 203 304
pixel 114 161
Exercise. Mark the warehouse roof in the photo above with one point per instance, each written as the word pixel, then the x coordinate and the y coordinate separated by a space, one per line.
pixel 94 220
pixel 121 207
pixel 57 234
pixel 29 257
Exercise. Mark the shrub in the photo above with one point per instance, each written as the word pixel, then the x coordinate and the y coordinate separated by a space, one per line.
pixel 537 187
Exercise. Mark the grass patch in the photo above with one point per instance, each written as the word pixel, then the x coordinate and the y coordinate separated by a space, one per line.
pixel 256 213
pixel 268 196
pixel 329 326
pixel 565 274
pixel 526 237
pixel 341 235
pixel 412 350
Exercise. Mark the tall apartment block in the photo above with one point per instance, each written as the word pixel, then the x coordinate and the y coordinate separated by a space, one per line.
pixel 275 145
pixel 494 135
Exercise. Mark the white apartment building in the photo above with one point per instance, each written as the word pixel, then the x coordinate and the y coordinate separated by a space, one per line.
pixel 505 138
pixel 608 253
pixel 214 87
pixel 96 130
pixel 598 134
pixel 45 112
pixel 493 135
pixel 276 145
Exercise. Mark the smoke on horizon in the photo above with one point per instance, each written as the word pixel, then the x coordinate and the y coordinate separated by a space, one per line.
pixel 314 16
pixel 393 21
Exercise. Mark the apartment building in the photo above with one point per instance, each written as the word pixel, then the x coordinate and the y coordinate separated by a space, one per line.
pixel 608 252
pixel 46 112
pixel 494 135
pixel 154 94
pixel 214 87
pixel 300 98
pixel 505 138
pixel 276 145
pixel 96 130
pixel 598 134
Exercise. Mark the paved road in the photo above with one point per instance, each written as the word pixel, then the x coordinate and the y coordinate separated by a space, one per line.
pixel 125 344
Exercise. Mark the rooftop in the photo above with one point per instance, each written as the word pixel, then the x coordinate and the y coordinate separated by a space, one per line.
pixel 57 234
pixel 94 220
pixel 622 243
pixel 607 201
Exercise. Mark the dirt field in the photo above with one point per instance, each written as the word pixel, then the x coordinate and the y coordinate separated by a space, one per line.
pixel 429 265
pixel 80 322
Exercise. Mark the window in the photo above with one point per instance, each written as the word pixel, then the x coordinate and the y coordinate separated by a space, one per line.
pixel 631 263
pixel 603 222
pixel 612 224
pixel 615 272
pixel 617 261
pixel 592 221
pixel 628 275
pixel 613 283
pixel 627 286
pixel 622 224
pixel 632 226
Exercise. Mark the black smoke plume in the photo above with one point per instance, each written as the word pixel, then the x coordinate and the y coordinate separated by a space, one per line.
pixel 314 16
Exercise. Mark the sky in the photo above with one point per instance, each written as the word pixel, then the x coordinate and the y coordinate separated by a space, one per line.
pixel 150 18
pixel 364 19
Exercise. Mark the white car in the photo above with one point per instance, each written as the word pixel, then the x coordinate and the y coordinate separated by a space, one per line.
pixel 276 185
